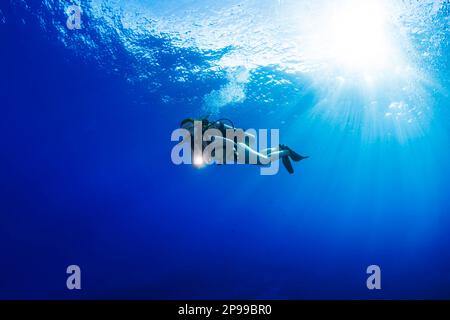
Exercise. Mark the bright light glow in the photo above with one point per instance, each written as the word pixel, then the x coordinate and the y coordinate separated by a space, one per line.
pixel 198 161
pixel 355 36
pixel 359 38
pixel 366 69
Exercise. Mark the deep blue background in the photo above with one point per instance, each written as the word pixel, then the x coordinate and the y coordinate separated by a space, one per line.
pixel 86 179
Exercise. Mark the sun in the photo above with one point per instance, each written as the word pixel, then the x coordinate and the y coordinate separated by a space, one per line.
pixel 359 35
pixel 355 36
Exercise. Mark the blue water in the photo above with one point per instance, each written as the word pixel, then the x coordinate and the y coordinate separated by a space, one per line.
pixel 87 179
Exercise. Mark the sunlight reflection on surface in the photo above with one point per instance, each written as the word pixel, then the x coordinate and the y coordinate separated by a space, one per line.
pixel 375 53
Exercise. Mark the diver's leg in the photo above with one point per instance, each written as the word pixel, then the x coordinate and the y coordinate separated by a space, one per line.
pixel 280 153
pixel 264 157
pixel 252 156
pixel 275 152
pixel 269 151
pixel 247 155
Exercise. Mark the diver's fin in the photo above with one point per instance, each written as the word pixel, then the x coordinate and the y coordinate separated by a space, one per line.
pixel 287 164
pixel 292 154
pixel 296 157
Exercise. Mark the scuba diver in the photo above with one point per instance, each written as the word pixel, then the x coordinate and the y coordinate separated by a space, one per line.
pixel 264 157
